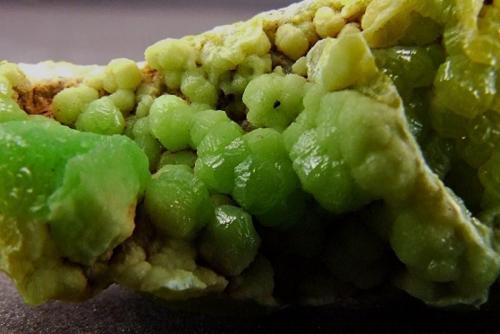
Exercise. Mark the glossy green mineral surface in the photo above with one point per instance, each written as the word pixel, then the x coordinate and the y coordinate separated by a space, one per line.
pixel 334 149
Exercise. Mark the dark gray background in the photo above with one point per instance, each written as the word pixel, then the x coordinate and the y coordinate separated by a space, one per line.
pixel 88 32
pixel 119 311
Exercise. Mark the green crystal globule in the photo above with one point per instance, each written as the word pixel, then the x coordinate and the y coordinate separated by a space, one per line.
pixel 83 187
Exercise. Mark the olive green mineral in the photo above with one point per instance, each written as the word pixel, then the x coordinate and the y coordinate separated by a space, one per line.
pixel 333 150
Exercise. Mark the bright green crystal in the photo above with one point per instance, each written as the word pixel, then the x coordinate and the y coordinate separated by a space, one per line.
pixel 64 195
pixel 301 156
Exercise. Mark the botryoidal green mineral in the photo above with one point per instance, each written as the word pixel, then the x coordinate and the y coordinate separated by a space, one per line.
pixel 68 199
pixel 346 147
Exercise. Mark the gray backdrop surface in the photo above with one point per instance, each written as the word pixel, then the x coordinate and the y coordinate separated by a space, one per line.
pixel 89 32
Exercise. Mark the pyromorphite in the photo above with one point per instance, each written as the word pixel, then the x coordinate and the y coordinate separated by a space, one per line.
pixel 64 194
pixel 177 202
pixel 344 127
